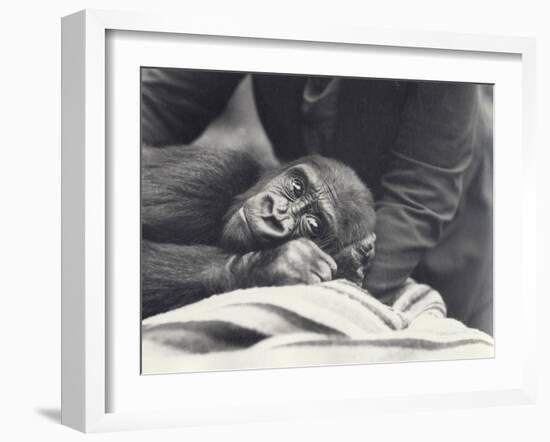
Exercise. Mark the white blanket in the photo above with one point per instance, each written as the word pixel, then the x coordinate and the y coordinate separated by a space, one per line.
pixel 325 324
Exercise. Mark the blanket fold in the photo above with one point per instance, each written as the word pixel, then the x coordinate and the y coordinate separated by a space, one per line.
pixel 325 324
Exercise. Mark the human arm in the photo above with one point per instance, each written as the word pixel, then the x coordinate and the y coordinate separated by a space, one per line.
pixel 423 184
pixel 178 104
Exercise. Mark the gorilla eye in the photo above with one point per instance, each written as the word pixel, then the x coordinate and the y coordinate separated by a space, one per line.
pixel 297 187
pixel 312 226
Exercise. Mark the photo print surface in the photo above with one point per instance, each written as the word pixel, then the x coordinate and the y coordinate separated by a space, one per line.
pixel 292 220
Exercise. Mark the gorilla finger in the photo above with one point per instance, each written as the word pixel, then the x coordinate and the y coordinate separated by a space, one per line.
pixel 323 271
pixel 331 264
pixel 368 244
pixel 313 278
pixel 325 257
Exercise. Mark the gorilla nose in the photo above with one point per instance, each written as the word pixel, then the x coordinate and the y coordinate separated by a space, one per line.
pixel 275 220
pixel 276 226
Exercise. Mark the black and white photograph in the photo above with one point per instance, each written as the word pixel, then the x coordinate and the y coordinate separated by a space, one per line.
pixel 293 220
pixel 297 220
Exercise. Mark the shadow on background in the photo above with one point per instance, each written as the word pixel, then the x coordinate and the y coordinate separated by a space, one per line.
pixel 51 414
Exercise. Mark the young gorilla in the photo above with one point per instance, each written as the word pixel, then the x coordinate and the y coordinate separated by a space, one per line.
pixel 214 221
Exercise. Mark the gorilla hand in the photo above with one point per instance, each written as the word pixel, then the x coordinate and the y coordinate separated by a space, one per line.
pixel 355 259
pixel 299 261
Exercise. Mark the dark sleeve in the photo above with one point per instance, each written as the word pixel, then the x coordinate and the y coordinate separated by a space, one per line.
pixel 178 104
pixel 423 185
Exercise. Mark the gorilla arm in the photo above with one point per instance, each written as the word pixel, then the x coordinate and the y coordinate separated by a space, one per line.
pixel 176 275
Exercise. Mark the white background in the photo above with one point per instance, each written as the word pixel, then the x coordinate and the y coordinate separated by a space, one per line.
pixel 265 388
pixel 30 219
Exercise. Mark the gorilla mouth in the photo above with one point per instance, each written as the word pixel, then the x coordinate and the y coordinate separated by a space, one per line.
pixel 251 228
pixel 246 225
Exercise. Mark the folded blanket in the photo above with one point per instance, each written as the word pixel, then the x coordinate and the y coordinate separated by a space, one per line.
pixel 324 324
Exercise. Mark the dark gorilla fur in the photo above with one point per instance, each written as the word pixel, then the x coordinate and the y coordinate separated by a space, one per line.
pixel 205 228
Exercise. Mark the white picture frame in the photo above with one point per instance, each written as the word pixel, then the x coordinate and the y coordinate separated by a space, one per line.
pixel 87 356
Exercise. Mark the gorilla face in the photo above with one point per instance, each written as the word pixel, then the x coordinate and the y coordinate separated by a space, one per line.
pixel 315 198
